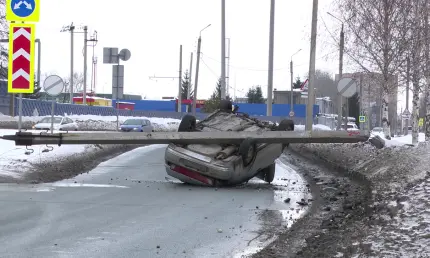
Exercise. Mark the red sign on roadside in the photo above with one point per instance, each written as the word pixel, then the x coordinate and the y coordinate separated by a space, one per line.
pixel 21 58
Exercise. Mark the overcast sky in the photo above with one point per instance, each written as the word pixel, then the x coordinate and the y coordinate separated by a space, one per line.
pixel 154 30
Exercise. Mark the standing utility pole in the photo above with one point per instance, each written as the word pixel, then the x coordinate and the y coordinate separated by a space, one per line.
pixel 223 95
pixel 189 81
pixel 180 80
pixel 227 78
pixel 292 84
pixel 339 96
pixel 271 46
pixel 311 91
pixel 196 81
pixel 93 39
pixel 84 100
pixel 70 28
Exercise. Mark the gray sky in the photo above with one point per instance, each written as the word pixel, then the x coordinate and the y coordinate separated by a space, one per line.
pixel 153 31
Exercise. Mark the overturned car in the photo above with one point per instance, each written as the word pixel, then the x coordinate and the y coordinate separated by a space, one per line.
pixel 224 164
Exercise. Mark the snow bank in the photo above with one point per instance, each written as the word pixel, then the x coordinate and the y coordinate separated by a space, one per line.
pixel 399 180
pixel 15 160
pixel 317 127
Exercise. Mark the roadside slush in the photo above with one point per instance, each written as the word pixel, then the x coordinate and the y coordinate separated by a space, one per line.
pixel 384 207
pixel 338 202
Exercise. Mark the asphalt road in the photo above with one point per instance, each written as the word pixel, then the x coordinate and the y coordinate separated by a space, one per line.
pixel 127 208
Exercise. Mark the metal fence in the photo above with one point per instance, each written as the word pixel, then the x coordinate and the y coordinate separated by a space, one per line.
pixel 32 107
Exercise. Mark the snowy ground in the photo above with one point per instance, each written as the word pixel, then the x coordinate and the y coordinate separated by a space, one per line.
pixel 16 160
pixel 400 141
pixel 399 222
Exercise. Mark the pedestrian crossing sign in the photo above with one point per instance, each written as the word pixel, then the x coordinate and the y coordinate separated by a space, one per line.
pixel 362 119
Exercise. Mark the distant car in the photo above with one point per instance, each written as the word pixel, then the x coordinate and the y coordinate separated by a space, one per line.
pixel 137 125
pixel 350 127
pixel 60 123
pixel 377 130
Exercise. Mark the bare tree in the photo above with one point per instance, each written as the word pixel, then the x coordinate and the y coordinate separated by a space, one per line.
pixel 376 40
pixel 425 11
pixel 416 50
pixel 4 31
pixel 78 83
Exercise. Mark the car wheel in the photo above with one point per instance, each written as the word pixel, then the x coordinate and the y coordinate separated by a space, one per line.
pixel 226 105
pixel 270 173
pixel 285 125
pixel 248 151
pixel 188 124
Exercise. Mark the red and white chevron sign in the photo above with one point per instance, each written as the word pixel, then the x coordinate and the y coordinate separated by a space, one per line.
pixel 21 58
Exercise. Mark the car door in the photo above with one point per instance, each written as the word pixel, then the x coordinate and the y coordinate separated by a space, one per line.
pixel 63 123
pixel 147 127
pixel 70 124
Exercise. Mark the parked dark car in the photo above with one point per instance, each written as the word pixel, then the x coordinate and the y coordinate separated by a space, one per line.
pixel 137 125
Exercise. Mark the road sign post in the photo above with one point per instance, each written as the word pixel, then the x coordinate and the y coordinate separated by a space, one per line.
pixel 23 10
pixel 21 62
pixel 53 86
pixel 111 56
pixel 21 58
pixel 291 113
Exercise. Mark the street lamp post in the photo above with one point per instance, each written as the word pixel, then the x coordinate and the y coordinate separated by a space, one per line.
pixel 339 96
pixel 196 80
pixel 292 84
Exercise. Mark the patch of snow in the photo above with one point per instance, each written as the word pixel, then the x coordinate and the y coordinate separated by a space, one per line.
pixel 399 141
pixel 317 127
pixel 14 161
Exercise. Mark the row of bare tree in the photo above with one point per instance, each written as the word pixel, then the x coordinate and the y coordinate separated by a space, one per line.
pixel 391 37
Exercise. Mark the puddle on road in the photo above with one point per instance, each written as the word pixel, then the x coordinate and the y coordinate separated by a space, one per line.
pixel 292 201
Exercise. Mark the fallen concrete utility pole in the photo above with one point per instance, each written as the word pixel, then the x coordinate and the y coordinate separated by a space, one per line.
pixel 28 139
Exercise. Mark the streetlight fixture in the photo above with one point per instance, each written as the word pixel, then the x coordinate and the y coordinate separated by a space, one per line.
pixel 196 80
pixel 292 78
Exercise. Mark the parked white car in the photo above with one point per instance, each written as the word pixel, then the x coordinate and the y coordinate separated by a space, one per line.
pixel 60 123
pixel 350 127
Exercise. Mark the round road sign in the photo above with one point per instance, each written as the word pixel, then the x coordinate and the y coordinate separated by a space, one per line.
pixel 124 54
pixel 53 85
pixel 347 87
pixel 291 113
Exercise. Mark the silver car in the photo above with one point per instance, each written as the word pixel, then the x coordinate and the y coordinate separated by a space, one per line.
pixel 220 165
pixel 60 123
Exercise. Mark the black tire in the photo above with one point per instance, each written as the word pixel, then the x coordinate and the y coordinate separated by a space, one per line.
pixel 188 124
pixel 226 105
pixel 248 151
pixel 286 125
pixel 269 174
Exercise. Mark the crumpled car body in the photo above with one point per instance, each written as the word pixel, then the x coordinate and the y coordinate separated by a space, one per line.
pixel 222 165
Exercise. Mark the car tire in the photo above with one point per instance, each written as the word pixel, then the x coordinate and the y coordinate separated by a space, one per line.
pixel 269 174
pixel 188 124
pixel 285 125
pixel 248 151
pixel 226 105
